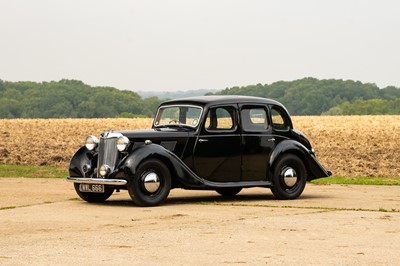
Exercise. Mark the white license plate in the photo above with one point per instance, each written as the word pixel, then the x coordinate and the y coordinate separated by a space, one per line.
pixel 94 188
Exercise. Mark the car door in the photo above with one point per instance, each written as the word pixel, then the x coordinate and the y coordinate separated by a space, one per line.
pixel 217 154
pixel 257 142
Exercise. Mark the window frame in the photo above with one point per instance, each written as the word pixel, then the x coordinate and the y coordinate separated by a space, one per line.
pixel 222 130
pixel 284 115
pixel 253 106
pixel 178 105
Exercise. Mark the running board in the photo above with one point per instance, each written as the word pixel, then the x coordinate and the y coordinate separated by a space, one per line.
pixel 243 184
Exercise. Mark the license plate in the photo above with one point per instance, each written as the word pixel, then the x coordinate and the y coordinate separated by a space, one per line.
pixel 94 188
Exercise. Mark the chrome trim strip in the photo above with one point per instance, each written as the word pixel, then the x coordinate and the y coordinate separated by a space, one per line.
pixel 110 134
pixel 98 181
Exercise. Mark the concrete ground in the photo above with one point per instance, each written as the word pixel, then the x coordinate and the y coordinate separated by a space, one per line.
pixel 42 222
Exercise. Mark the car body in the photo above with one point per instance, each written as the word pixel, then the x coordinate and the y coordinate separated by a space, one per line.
pixel 221 143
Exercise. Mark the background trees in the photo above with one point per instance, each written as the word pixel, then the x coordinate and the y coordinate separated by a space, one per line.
pixel 308 96
pixel 69 98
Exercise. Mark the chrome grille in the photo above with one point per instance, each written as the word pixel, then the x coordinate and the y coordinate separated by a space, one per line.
pixel 108 153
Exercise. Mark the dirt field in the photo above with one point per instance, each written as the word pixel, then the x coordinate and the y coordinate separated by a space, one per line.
pixel 346 145
pixel 43 223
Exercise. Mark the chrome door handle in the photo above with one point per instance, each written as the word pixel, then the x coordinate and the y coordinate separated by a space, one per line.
pixel 203 140
pixel 273 139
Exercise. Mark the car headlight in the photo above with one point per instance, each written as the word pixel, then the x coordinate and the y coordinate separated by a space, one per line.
pixel 91 142
pixel 122 143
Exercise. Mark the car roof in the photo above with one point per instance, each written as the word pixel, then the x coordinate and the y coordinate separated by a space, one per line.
pixel 221 99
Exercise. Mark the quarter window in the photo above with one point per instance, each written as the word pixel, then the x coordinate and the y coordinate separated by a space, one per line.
pixel 279 121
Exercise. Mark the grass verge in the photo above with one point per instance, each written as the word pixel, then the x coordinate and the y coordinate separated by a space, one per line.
pixel 32 171
pixel 361 180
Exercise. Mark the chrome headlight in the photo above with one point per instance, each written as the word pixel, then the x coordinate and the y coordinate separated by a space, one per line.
pixel 91 142
pixel 122 143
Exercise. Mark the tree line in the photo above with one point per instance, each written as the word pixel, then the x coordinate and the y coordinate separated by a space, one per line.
pixel 71 99
pixel 308 96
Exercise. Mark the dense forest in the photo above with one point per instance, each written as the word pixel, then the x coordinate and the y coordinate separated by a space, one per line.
pixel 74 99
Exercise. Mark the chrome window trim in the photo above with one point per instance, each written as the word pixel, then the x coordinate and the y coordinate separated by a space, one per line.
pixel 179 105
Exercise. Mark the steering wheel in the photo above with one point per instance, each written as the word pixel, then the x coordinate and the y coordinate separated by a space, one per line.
pixel 174 121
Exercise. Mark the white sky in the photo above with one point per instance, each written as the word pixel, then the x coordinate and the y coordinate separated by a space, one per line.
pixel 208 44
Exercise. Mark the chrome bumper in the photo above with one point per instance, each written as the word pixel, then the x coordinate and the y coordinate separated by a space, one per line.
pixel 98 181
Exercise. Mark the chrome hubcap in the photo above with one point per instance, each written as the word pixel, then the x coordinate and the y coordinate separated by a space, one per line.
pixel 151 182
pixel 289 176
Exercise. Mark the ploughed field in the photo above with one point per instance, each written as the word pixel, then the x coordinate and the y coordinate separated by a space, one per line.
pixel 346 145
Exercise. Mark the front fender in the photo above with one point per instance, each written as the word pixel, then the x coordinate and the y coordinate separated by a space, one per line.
pixel 78 160
pixel 179 170
pixel 314 168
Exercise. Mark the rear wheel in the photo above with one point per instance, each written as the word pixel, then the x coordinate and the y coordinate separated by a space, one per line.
pixel 94 197
pixel 228 191
pixel 289 178
pixel 151 184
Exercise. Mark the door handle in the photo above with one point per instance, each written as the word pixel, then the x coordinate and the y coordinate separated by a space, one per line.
pixel 203 140
pixel 273 139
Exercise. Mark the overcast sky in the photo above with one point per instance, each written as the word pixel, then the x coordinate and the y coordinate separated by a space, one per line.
pixel 185 45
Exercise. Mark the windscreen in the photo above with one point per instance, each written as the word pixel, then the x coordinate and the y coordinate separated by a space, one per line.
pixel 178 115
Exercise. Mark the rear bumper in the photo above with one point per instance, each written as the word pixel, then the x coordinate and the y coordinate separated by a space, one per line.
pixel 98 181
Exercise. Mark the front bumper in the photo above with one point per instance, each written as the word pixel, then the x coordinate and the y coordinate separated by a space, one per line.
pixel 97 181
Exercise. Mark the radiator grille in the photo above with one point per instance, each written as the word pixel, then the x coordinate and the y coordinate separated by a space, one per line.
pixel 108 153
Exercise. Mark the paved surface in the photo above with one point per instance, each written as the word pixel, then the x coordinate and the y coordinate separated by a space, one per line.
pixel 43 223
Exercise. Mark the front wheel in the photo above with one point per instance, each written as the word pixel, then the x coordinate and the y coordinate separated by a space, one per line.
pixel 151 184
pixel 94 197
pixel 289 177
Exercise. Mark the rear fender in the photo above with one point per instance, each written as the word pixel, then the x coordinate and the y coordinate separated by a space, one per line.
pixel 314 168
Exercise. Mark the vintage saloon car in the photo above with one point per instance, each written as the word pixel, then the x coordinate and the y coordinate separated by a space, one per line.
pixel 221 143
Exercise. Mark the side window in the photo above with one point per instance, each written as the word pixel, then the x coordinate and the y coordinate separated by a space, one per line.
pixel 220 118
pixel 279 121
pixel 254 119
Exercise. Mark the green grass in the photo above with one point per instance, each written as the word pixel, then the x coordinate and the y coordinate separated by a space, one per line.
pixel 32 171
pixel 387 181
pixel 7 208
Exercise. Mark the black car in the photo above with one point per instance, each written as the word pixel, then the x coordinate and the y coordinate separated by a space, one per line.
pixel 221 143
